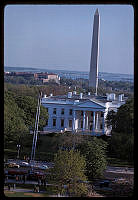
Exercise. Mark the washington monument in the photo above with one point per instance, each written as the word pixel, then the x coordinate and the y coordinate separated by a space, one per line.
pixel 93 75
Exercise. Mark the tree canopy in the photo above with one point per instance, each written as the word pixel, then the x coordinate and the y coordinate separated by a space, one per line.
pixel 69 167
pixel 95 154
pixel 19 115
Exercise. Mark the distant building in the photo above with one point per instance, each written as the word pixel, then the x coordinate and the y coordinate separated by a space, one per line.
pixel 45 77
pixel 24 74
pixel 80 113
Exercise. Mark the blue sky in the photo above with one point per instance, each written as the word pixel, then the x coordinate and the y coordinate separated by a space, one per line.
pixel 60 36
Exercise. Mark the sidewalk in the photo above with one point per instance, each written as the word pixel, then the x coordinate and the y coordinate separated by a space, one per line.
pixel 21 190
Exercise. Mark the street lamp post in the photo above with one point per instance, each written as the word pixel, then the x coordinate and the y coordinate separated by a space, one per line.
pixel 18 151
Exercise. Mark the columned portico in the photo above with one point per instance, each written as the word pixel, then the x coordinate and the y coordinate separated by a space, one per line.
pixel 97 115
pixel 93 126
pixel 73 124
pixel 84 113
pixel 87 121
pixel 103 124
pixel 86 117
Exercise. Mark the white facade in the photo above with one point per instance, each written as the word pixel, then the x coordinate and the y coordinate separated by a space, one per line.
pixel 83 114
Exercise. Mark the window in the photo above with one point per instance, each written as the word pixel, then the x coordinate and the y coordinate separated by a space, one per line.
pixel 81 124
pixel 62 122
pixel 54 122
pixel 54 111
pixel 91 113
pixel 101 126
pixel 62 111
pixel 70 123
pixel 81 113
pixel 70 111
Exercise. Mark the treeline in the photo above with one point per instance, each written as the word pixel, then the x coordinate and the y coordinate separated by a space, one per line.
pixel 104 86
pixel 19 112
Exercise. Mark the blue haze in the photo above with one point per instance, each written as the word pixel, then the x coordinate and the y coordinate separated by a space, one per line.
pixel 75 74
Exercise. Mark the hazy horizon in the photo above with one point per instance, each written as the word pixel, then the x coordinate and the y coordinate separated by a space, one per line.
pixel 39 68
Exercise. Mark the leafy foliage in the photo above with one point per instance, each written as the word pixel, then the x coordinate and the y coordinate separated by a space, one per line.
pixel 121 143
pixel 122 121
pixel 122 146
pixel 19 114
pixel 95 154
pixel 68 170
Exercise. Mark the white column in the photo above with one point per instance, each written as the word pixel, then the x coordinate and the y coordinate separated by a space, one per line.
pixel 84 112
pixel 93 127
pixel 73 124
pixel 87 120
pixel 97 120
pixel 103 124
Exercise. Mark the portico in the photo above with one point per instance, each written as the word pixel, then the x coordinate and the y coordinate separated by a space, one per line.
pixel 87 121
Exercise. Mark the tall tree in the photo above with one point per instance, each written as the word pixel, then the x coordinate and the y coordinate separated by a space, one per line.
pixel 69 167
pixel 122 121
pixel 95 154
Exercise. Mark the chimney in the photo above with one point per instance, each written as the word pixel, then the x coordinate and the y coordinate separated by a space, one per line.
pixel 69 94
pixel 81 94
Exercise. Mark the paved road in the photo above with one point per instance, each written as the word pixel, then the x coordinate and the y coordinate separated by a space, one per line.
pixel 122 170
pixel 26 182
pixel 21 190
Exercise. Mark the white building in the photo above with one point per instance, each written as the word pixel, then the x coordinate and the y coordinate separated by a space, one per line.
pixel 83 114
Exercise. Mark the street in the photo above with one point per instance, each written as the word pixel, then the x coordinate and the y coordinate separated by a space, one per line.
pixel 123 170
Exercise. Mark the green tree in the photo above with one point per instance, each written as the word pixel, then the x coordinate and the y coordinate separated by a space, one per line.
pixel 122 121
pixel 95 154
pixel 69 167
pixel 122 146
pixel 19 116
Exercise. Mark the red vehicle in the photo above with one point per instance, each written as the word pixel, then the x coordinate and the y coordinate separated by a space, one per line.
pixel 17 172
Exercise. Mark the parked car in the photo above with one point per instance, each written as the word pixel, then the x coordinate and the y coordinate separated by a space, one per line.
pixel 24 164
pixel 13 165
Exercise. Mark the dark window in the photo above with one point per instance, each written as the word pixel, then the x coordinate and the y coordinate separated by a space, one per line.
pixel 54 111
pixel 70 111
pixel 62 111
pixel 91 113
pixel 70 123
pixel 54 122
pixel 81 113
pixel 102 114
pixel 62 122
pixel 101 126
pixel 81 124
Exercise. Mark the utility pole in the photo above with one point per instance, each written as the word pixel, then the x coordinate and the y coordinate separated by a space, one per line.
pixel 36 127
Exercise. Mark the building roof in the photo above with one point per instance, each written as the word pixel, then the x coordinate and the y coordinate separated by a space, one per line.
pixel 81 100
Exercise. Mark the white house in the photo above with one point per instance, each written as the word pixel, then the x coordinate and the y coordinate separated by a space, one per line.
pixel 84 114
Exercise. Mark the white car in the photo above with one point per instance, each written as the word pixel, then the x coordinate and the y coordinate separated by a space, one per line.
pixel 43 167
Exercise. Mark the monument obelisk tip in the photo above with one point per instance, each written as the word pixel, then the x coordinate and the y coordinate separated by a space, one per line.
pixel 96 12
